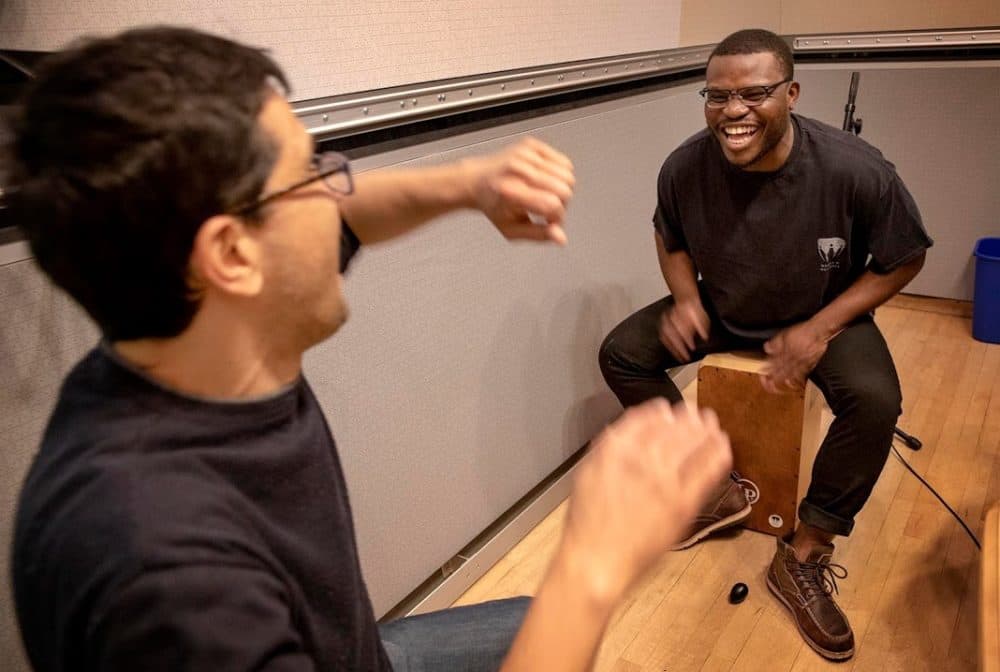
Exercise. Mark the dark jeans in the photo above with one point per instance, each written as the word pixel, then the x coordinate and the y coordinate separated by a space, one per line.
pixel 474 638
pixel 856 375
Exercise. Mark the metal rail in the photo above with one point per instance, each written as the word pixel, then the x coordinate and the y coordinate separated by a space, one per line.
pixel 372 110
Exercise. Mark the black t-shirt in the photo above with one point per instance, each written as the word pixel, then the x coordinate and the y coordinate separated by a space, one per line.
pixel 161 532
pixel 774 248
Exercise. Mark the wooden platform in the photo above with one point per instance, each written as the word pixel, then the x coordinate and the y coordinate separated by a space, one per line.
pixel 912 593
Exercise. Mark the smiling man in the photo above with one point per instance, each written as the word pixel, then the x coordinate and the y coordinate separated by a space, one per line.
pixel 798 231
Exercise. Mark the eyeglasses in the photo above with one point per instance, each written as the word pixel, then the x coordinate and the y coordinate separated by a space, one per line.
pixel 751 96
pixel 331 167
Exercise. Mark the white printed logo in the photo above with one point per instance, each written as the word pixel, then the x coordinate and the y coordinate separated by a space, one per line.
pixel 750 489
pixel 830 250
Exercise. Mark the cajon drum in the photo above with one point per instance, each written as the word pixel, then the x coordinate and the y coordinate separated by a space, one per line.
pixel 775 437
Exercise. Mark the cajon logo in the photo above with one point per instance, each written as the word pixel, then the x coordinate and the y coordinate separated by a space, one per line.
pixel 829 252
pixel 750 489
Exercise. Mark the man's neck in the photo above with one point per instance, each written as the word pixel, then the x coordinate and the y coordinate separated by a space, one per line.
pixel 215 359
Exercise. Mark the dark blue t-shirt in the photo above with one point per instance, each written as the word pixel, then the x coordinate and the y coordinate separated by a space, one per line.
pixel 161 532
pixel 775 248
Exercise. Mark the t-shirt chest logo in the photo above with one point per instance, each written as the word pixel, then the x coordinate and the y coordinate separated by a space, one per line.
pixel 830 250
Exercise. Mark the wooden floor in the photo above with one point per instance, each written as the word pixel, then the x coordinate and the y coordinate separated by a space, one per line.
pixel 912 591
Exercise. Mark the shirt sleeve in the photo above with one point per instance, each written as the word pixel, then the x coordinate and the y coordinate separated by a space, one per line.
pixel 896 232
pixel 666 218
pixel 349 245
pixel 198 617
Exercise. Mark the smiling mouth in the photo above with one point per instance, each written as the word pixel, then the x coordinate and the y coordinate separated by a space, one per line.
pixel 738 136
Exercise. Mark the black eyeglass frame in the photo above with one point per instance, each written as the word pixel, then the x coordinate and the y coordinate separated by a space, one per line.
pixel 341 165
pixel 769 89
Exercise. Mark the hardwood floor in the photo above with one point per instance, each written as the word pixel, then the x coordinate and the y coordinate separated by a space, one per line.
pixel 912 591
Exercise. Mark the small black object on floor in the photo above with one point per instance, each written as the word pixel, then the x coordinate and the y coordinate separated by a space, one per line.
pixel 738 593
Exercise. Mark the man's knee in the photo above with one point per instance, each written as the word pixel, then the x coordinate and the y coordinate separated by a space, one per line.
pixel 609 356
pixel 874 399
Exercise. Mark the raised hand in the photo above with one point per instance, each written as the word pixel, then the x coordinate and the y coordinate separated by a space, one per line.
pixel 680 324
pixel 646 476
pixel 528 180
pixel 792 354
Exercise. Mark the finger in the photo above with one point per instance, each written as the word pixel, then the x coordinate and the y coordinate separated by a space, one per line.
pixel 767 382
pixel 707 465
pixel 528 231
pixel 770 347
pixel 535 174
pixel 520 196
pixel 682 409
pixel 697 319
pixel 794 384
pixel 672 341
pixel 553 232
pixel 690 429
pixel 710 419
pixel 701 323
pixel 548 152
pixel 556 234
pixel 669 338
pixel 555 169
pixel 668 439
pixel 686 334
pixel 634 427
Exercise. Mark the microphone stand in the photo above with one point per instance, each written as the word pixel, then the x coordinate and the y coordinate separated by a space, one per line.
pixel 852 125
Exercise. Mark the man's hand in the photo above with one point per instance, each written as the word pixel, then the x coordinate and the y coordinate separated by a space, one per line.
pixel 529 179
pixel 792 354
pixel 646 476
pixel 680 324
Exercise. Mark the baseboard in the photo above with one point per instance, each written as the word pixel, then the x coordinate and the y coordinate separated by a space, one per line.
pixel 475 565
pixel 468 566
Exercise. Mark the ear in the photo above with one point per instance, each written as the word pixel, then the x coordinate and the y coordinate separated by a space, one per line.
pixel 793 95
pixel 227 257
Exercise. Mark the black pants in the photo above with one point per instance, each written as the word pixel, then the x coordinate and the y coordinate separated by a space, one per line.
pixel 856 375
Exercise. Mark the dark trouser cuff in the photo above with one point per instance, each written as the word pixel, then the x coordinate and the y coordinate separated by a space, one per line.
pixel 810 514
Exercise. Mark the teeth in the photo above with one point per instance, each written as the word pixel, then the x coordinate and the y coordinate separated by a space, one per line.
pixel 738 130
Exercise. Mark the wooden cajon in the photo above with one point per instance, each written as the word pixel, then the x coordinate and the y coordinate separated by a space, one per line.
pixel 775 437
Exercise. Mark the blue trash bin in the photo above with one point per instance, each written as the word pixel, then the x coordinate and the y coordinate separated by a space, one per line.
pixel 986 295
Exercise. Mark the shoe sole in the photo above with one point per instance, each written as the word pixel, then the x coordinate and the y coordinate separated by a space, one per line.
pixel 728 521
pixel 830 655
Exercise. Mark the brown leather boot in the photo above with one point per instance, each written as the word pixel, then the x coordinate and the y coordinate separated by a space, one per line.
pixel 805 589
pixel 728 506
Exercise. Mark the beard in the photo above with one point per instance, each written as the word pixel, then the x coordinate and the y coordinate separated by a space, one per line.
pixel 774 132
pixel 302 307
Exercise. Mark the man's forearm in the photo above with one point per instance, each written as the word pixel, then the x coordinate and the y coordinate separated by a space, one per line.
pixel 522 190
pixel 678 272
pixel 564 625
pixel 867 293
pixel 390 203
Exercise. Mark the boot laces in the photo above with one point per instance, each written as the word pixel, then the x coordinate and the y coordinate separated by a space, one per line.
pixel 819 578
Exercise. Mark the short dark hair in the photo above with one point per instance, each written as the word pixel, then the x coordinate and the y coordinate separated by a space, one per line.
pixel 757 41
pixel 122 147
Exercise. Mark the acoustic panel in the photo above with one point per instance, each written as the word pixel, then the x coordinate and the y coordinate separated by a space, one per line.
pixel 337 47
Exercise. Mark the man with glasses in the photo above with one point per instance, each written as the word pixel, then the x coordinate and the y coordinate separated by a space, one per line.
pixel 187 509
pixel 778 232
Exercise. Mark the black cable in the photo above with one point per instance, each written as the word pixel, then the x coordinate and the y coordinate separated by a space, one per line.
pixel 940 499
pixel 912 442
